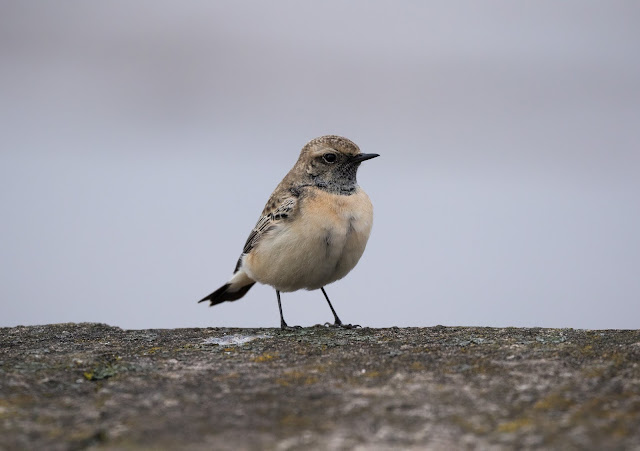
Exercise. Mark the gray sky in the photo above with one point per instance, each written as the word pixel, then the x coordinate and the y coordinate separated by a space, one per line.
pixel 140 140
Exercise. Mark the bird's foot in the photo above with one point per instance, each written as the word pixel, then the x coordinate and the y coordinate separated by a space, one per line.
pixel 285 326
pixel 342 326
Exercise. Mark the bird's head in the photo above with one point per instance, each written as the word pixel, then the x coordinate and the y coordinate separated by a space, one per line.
pixel 331 162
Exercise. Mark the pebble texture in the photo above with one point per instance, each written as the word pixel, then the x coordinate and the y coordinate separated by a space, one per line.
pixel 92 386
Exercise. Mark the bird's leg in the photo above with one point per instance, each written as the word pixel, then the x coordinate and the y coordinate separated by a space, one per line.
pixel 335 315
pixel 283 323
pixel 337 322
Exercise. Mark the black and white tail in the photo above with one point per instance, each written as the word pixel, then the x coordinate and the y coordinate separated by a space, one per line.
pixel 233 290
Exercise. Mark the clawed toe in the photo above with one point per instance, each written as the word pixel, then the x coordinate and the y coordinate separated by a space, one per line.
pixel 290 328
pixel 342 326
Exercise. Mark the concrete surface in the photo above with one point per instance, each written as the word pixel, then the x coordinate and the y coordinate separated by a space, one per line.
pixel 92 386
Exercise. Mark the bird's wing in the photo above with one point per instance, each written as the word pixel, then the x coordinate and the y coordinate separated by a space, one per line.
pixel 281 210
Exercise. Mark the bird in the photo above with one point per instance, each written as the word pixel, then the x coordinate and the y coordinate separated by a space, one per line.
pixel 313 229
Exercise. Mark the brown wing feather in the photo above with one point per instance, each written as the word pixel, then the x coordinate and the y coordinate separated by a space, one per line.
pixel 269 220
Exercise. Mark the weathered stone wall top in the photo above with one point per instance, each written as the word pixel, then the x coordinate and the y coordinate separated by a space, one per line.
pixel 74 386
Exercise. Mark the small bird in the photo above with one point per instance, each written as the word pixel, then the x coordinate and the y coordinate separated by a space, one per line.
pixel 313 229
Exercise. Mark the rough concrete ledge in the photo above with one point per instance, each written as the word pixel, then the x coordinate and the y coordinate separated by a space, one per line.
pixel 77 386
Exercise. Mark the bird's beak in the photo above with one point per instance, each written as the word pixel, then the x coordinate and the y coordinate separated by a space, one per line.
pixel 362 157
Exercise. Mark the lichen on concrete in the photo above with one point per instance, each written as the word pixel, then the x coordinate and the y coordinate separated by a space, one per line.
pixel 79 386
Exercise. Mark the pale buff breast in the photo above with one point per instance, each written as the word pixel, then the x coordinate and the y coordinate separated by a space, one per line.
pixel 321 245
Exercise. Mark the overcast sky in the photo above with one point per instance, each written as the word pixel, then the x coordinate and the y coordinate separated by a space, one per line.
pixel 140 140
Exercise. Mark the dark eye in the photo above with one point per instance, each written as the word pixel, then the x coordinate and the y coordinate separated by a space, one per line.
pixel 330 157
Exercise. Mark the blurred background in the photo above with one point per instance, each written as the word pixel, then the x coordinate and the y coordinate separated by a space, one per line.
pixel 140 140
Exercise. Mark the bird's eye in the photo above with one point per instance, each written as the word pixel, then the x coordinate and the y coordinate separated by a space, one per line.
pixel 330 157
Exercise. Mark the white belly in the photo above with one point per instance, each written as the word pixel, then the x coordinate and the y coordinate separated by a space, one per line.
pixel 321 245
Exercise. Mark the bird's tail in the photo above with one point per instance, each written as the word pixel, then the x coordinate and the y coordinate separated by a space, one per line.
pixel 233 290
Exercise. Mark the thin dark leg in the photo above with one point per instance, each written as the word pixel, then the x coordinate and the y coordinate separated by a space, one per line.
pixel 335 315
pixel 283 324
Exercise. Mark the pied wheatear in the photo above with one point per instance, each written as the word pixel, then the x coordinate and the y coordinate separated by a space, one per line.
pixel 313 229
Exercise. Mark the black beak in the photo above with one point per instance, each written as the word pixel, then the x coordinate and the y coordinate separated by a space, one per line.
pixel 362 157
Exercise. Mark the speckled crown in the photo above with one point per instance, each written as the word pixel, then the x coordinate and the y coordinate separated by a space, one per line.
pixel 335 142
